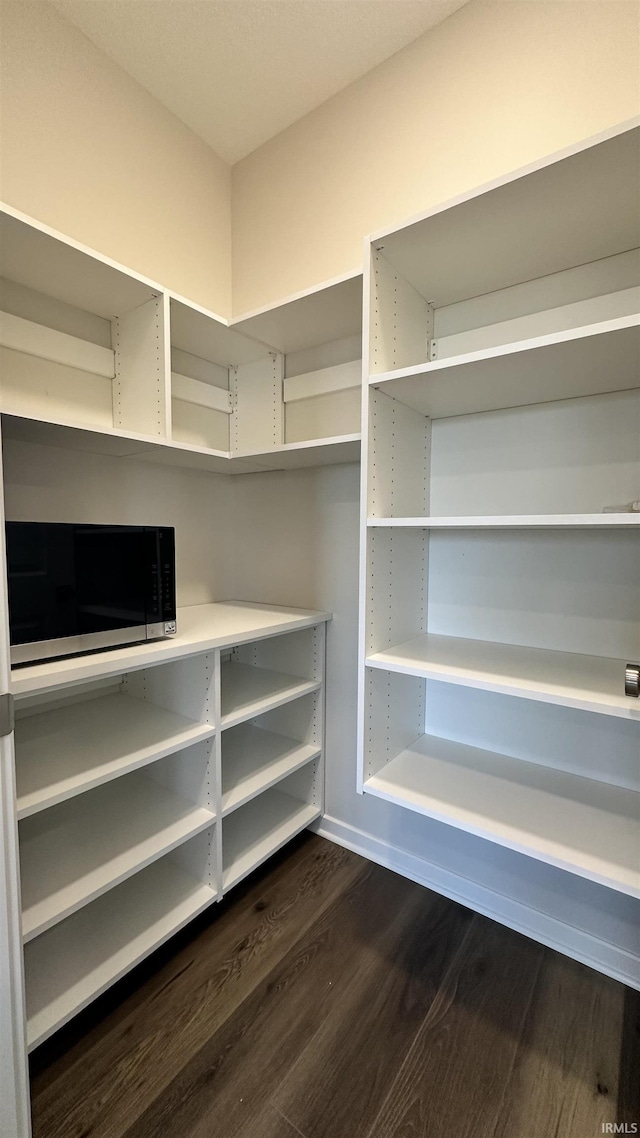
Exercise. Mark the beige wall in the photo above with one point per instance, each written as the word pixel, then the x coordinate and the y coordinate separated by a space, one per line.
pixel 494 87
pixel 86 150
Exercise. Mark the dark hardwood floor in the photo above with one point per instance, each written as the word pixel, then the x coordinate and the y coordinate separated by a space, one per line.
pixel 330 998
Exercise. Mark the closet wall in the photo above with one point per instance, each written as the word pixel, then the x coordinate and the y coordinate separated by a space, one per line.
pixel 86 150
pixel 499 84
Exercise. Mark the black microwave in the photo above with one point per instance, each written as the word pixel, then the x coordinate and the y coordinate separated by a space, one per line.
pixel 79 588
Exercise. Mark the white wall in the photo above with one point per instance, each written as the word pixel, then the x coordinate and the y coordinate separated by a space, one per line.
pixel 499 84
pixel 86 150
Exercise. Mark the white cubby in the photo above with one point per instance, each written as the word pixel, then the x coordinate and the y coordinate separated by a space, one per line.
pixel 124 770
pixel 74 962
pixel 500 588
pixel 82 342
pixel 256 830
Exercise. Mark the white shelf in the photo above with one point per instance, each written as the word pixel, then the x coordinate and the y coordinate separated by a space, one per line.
pixel 200 628
pixel 248 691
pixel 578 208
pixel 316 452
pixel 591 360
pixel 254 759
pixel 252 834
pixel 512 521
pixel 331 311
pixel 72 853
pixel 589 683
pixel 578 824
pixel 73 963
pixel 67 751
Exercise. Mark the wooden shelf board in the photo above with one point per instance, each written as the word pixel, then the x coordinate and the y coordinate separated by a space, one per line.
pixel 588 683
pixel 70 750
pixel 494 237
pixel 512 521
pixel 580 825
pixel 76 851
pixel 73 963
pixel 252 834
pixel 202 334
pixel 332 311
pixel 315 452
pixel 254 759
pixel 200 628
pixel 42 259
pixel 248 691
pixel 582 361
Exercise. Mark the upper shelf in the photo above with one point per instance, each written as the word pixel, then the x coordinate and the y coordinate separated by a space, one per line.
pixel 200 629
pixel 580 208
pixel 332 311
pixel 591 360
pixel 203 334
pixel 41 259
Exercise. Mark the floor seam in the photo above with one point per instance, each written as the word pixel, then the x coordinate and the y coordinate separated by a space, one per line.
pixel 292 1124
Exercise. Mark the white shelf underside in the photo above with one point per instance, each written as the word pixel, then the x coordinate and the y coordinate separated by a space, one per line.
pixel 254 759
pixel 587 827
pixel 588 683
pixel 73 853
pixel 260 828
pixel 248 691
pixel 65 752
pixel 512 521
pixel 71 964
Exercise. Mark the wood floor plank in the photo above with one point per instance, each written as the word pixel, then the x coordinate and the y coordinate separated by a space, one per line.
pixel 339 1082
pixel 566 1072
pixel 228 1082
pixel 452 1081
pixel 128 1060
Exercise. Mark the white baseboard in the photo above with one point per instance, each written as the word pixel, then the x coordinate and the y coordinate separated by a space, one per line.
pixel 565 938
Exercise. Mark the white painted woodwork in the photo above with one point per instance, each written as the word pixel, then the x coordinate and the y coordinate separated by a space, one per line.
pixel 515 521
pixel 564 365
pixel 531 224
pixel 401 319
pixel 47 343
pixel 140 392
pixel 324 419
pixel 323 382
pixel 91 743
pixel 74 962
pixel 248 691
pixel 578 314
pixel 254 759
pixel 14 1079
pixel 254 832
pixel 589 683
pixel 202 394
pixel 257 422
pixel 74 852
pixel 575 823
pixel 332 311
pixel 42 390
pixel 200 628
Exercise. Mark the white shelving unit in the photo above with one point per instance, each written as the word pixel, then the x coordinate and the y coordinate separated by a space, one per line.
pixel 126 763
pixel 96 357
pixel 77 960
pixel 500 550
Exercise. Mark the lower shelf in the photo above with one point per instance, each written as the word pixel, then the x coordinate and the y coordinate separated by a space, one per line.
pixel 260 828
pixel 578 824
pixel 254 759
pixel 73 963
pixel 248 691
pixel 73 852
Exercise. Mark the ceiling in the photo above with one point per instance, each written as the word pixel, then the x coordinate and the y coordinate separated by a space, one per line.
pixel 239 71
